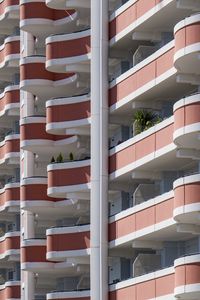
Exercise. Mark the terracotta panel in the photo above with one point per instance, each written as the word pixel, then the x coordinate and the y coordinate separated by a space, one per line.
pixel 10 48
pixel 71 48
pixel 164 137
pixel 122 21
pixel 179 118
pixel 10 243
pixel 67 177
pixel 35 192
pixel 9 98
pixel 165 285
pixel 41 11
pixel 164 210
pixel 68 112
pixel 192 34
pixel 125 293
pixel 146 74
pixel 68 241
pixel 144 147
pixel 143 7
pixel 33 254
pixel 146 290
pixel 192 193
pixel 180 39
pixel 192 273
pixel 165 62
pixel 122 227
pixel 179 196
pixel 192 113
pixel 5 3
pixel 10 292
pixel 145 218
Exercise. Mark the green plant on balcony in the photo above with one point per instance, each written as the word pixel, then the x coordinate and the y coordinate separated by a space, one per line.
pixel 53 160
pixel 71 156
pixel 144 119
pixel 59 158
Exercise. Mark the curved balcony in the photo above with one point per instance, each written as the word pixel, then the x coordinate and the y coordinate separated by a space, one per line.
pixel 67 178
pixel 9 14
pixel 42 21
pixel 34 198
pixel 187 279
pixel 9 149
pixel 144 81
pixel 70 4
pixel 10 244
pixel 38 81
pixel 35 138
pixel 154 285
pixel 187 45
pixel 68 52
pixel 10 290
pixel 10 197
pixel 10 52
pixel 147 146
pixel 33 252
pixel 187 122
pixel 142 219
pixel 75 295
pixel 68 115
pixel 9 101
pixel 65 242
pixel 9 58
pixel 187 199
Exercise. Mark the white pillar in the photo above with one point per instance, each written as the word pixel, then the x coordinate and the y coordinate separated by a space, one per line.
pixel 27 218
pixel 99 149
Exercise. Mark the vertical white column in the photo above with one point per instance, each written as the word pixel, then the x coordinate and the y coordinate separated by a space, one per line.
pixel 99 149
pixel 27 218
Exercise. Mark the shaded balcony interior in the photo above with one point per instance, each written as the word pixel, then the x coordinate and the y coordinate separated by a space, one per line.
pixel 9 271
pixel 140 190
pixel 136 262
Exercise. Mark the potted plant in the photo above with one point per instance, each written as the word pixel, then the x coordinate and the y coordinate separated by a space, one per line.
pixel 59 158
pixel 53 160
pixel 71 156
pixel 144 119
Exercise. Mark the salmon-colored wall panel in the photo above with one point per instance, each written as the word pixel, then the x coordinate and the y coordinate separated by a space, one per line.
pixel 68 241
pixel 146 290
pixel 10 243
pixel 165 285
pixel 164 210
pixel 180 37
pixel 122 158
pixel 39 10
pixel 164 136
pixel 179 196
pixel 8 98
pixel 179 118
pixel 131 14
pixel 122 227
pixel 164 62
pixel 145 146
pixel 64 49
pixel 33 254
pixel 145 218
pixel 10 292
pixel 141 77
pixel 187 274
pixel 192 193
pixel 68 112
pixel 34 192
pixel 5 3
pixel 192 113
pixel 67 177
pixel 9 49
pixel 192 34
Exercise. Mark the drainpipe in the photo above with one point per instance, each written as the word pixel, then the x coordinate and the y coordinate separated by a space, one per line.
pixel 99 150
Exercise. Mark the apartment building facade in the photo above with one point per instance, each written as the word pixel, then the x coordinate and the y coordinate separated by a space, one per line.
pixel 100 149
